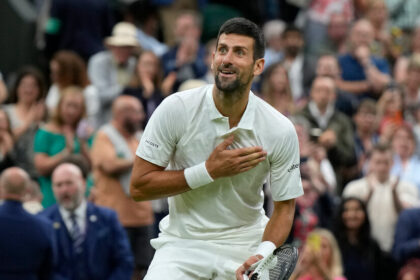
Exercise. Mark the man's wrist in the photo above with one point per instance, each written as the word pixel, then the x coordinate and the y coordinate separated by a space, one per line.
pixel 197 176
pixel 265 248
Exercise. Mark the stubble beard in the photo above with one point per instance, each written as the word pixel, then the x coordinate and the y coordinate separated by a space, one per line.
pixel 231 89
pixel 227 87
pixel 131 127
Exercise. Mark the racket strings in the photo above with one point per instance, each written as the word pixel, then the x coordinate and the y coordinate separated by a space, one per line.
pixel 277 266
pixel 286 260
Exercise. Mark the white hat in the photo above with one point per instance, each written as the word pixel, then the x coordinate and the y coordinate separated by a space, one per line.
pixel 123 34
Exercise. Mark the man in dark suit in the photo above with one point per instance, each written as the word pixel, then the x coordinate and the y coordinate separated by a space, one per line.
pixel 91 243
pixel 26 241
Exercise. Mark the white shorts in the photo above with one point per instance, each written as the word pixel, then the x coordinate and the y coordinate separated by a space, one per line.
pixel 186 259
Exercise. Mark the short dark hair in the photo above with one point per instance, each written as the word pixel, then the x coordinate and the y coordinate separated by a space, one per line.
pixel 24 72
pixel 381 148
pixel 290 28
pixel 368 105
pixel 245 27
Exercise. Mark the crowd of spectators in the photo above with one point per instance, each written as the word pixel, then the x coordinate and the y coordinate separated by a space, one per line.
pixel 346 72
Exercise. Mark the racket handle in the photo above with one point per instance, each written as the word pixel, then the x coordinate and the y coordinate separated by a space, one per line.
pixel 253 277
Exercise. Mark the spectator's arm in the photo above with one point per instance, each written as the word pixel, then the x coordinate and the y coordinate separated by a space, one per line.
pixel 396 198
pixel 400 70
pixel 356 87
pixel 343 150
pixel 199 64
pixel 376 78
pixel 104 156
pixel 44 163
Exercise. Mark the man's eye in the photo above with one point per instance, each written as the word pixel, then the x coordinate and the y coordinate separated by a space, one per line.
pixel 222 50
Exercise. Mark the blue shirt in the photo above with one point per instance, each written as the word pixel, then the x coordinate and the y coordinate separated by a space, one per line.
pixel 352 70
pixel 408 174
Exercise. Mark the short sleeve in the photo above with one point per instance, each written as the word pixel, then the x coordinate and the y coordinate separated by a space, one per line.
pixel 162 132
pixel 41 142
pixel 382 66
pixel 285 180
pixel 355 189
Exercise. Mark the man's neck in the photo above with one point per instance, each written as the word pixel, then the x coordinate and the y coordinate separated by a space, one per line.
pixel 231 105
pixel 382 180
pixel 322 110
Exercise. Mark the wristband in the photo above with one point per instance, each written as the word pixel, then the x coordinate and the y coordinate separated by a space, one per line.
pixel 265 248
pixel 197 176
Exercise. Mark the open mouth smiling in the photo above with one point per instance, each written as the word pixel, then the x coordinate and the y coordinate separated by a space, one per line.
pixel 227 73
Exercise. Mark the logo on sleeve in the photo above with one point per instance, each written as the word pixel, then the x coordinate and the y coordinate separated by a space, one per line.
pixel 294 166
pixel 150 143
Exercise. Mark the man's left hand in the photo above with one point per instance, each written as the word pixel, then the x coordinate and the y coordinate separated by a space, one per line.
pixel 246 265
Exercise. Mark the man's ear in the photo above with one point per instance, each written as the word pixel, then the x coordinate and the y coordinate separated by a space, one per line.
pixel 259 66
pixel 212 61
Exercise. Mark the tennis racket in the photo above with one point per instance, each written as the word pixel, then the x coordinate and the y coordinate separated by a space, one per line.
pixel 277 266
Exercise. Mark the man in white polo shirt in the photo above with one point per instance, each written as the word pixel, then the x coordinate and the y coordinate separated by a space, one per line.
pixel 210 150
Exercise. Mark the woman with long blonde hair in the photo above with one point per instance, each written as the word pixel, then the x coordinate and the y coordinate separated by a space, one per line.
pixel 58 139
pixel 320 258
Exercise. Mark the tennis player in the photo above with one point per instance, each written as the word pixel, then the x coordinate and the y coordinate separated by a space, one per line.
pixel 210 150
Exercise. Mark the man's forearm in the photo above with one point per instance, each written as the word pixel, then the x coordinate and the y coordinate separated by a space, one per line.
pixel 150 181
pixel 280 223
pixel 377 79
pixel 116 166
pixel 355 87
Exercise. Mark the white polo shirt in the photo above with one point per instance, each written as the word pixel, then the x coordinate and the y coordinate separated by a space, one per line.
pixel 183 132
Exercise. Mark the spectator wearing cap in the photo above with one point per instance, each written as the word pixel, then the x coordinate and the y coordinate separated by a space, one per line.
pixel 111 70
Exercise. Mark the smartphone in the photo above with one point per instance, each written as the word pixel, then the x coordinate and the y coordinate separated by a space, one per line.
pixel 314 242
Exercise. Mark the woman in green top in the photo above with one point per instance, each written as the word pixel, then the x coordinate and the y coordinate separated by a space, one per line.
pixel 57 140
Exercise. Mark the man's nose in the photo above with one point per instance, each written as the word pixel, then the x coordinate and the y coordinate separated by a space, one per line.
pixel 227 58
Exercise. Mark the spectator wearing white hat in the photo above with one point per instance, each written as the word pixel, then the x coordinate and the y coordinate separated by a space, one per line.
pixel 110 70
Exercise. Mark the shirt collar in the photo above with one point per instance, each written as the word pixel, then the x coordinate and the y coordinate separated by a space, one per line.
pixel 80 211
pixel 322 119
pixel 247 119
